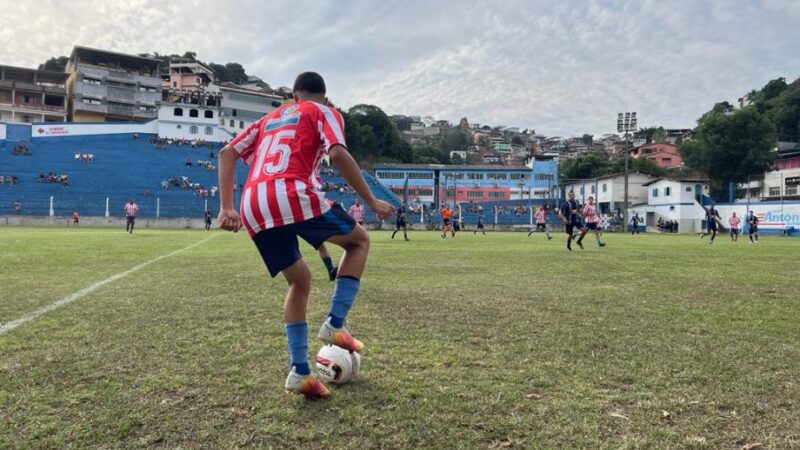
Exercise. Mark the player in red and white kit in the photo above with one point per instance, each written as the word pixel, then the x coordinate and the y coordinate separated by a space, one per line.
pixel 357 212
pixel 541 221
pixel 592 220
pixel 280 203
pixel 733 223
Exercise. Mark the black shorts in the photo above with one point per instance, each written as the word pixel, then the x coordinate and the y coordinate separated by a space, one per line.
pixel 712 225
pixel 401 223
pixel 541 226
pixel 131 219
pixel 734 231
pixel 279 247
pixel 591 226
pixel 480 226
pixel 446 222
pixel 570 227
pixel 753 229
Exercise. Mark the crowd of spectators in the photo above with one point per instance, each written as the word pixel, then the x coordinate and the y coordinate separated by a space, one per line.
pixel 21 149
pixel 163 143
pixel 84 157
pixel 53 178
pixel 342 188
pixel 667 226
pixel 9 179
pixel 186 184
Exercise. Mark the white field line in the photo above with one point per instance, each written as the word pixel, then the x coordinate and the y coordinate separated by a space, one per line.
pixel 8 326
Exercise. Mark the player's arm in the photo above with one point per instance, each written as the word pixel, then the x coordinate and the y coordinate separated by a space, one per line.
pixel 352 174
pixel 228 217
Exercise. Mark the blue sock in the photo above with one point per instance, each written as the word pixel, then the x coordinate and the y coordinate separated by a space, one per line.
pixel 344 293
pixel 328 263
pixel 297 339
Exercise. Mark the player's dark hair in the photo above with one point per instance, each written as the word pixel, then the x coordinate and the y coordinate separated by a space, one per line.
pixel 310 82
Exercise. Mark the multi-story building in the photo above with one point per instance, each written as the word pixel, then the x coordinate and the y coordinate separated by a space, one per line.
pixel 241 106
pixel 433 183
pixel 106 86
pixel 29 95
pixel 188 110
pixel 784 181
pixel 666 156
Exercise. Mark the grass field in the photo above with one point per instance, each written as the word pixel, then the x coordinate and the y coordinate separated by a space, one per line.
pixel 477 342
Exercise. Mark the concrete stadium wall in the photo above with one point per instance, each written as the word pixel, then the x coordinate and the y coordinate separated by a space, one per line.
pixel 152 222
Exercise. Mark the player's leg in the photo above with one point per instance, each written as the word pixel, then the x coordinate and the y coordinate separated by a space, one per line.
pixel 133 222
pixel 568 229
pixel 280 252
pixel 547 232
pixel 326 259
pixel 583 231
pixel 531 231
pixel 396 229
pixel 405 232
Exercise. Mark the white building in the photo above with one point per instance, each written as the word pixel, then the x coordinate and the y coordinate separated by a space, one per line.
pixel 242 106
pixel 188 121
pixel 673 200
pixel 609 191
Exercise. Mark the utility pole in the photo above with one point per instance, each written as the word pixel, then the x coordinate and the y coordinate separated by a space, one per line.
pixel 626 123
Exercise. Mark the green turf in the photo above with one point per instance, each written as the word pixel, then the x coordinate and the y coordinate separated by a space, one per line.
pixel 477 342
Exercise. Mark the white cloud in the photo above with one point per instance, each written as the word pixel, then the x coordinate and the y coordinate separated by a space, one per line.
pixel 563 68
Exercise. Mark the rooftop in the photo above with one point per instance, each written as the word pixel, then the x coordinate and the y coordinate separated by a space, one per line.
pixel 13 73
pixel 122 59
pixel 677 180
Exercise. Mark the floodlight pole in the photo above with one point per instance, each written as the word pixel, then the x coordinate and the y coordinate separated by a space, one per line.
pixel 626 123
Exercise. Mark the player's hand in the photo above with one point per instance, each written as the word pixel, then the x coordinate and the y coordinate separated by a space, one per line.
pixel 382 209
pixel 229 219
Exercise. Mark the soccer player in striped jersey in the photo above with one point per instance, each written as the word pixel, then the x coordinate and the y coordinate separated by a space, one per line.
pixel 592 220
pixel 357 212
pixel 733 223
pixel 131 208
pixel 541 221
pixel 280 203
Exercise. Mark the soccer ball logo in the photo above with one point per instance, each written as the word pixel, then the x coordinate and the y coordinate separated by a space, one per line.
pixel 336 365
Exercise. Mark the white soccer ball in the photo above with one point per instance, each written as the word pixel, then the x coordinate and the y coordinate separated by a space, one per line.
pixel 336 365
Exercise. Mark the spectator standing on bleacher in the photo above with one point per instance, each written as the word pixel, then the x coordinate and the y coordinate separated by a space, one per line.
pixel 17 206
pixel 357 212
pixel 75 217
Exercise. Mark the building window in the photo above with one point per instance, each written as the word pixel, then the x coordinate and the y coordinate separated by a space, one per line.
pixel 193 113
pixel 91 101
pixel 542 176
pixel 233 124
pixel 179 126
pixel 233 113
pixel 688 189
pixel 655 192
pixel 221 122
pixel 392 175
pixel 27 99
pixel 241 124
pixel 420 176
pixel 496 176
pixel 791 190
pixel 474 176
pixel 209 114
pixel 774 191
pixel 517 176
pixel 174 84
pixel 667 191
pixel 193 129
pixel 209 131
pixel 582 190
pixel 497 194
pixel 605 187
pixel 91 81
pixel 475 194
pixel 592 190
pixel 177 112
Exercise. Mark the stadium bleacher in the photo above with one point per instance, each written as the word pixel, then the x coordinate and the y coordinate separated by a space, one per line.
pixel 123 167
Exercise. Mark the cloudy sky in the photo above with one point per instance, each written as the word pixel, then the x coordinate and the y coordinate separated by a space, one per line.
pixel 561 68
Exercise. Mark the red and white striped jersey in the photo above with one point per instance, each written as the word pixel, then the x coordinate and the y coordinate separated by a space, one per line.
pixel 734 221
pixel 131 209
pixel 357 212
pixel 590 213
pixel 539 215
pixel 284 150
